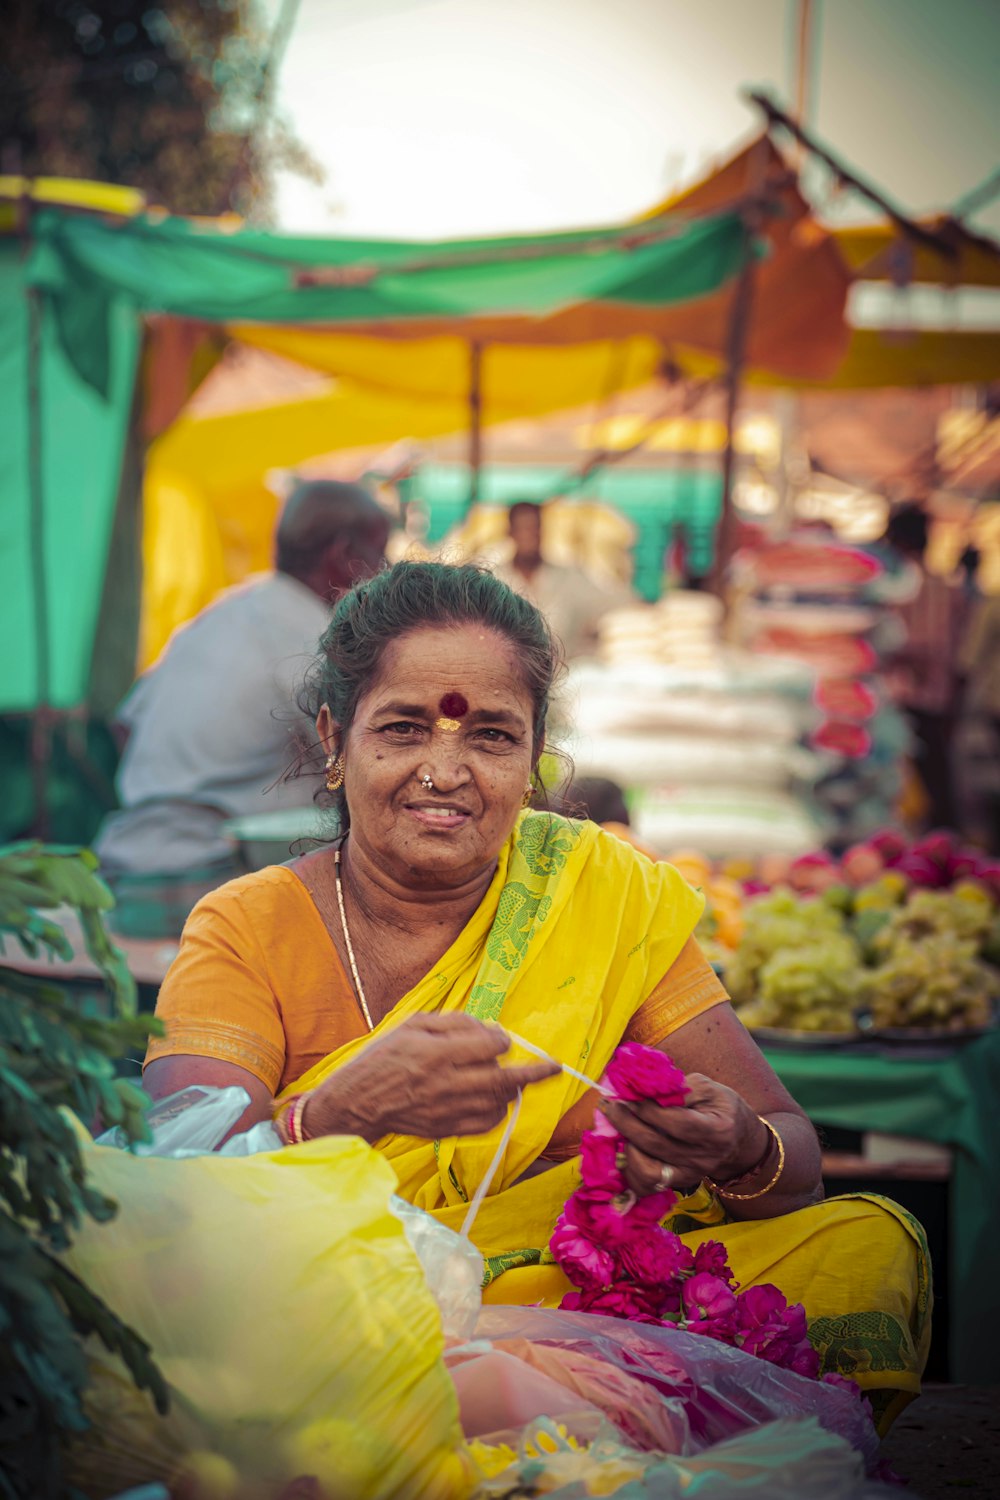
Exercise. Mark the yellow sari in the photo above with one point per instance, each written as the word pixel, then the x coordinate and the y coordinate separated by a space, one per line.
pixel 575 931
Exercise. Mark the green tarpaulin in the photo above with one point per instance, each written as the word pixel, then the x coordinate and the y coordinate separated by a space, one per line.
pixel 60 460
pixel 68 404
pixel 949 1099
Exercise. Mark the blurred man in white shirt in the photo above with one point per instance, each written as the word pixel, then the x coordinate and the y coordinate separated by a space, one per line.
pixel 213 726
pixel 571 601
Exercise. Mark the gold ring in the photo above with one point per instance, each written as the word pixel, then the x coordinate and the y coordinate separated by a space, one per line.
pixel 621 1161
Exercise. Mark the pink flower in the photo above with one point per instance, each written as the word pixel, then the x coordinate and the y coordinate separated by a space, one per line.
pixel 598 1153
pixel 775 1330
pixel 653 1257
pixel 652 1208
pixel 620 1301
pixel 759 1304
pixel 711 1256
pixel 624 1264
pixel 603 1126
pixel 833 1377
pixel 598 1218
pixel 707 1299
pixel 805 1361
pixel 636 1072
pixel 585 1263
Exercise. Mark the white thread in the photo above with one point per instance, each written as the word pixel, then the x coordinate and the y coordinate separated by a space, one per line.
pixel 484 1186
pixel 573 1073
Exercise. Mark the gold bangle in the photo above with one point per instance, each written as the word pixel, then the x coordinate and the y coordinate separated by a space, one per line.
pixel 746 1197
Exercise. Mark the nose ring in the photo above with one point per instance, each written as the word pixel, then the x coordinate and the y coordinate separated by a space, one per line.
pixel 426 783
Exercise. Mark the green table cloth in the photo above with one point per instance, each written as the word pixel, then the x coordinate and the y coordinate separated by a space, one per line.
pixel 952 1098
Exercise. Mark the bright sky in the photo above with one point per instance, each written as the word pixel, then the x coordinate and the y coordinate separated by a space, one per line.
pixel 446 117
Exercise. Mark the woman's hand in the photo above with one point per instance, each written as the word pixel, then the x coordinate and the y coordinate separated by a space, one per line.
pixel 714 1134
pixel 432 1076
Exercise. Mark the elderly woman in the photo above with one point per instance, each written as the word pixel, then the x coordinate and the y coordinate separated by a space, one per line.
pixel 350 991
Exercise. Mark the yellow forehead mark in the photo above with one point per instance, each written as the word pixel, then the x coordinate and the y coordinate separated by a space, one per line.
pixel 450 726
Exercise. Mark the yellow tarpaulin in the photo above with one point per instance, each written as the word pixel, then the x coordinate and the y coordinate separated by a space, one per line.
pixel 214 469
pixel 881 252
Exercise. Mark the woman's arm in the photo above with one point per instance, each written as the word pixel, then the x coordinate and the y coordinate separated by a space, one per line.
pixel 433 1076
pixel 168 1075
pixel 717 1133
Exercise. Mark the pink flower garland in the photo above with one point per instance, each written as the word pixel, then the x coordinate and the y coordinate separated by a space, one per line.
pixel 614 1250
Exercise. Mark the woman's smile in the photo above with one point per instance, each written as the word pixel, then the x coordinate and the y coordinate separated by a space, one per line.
pixel 442 817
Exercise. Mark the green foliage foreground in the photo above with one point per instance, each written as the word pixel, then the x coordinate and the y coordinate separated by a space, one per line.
pixel 55 1058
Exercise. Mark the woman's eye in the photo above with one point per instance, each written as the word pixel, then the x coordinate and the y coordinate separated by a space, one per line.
pixel 496 736
pixel 403 729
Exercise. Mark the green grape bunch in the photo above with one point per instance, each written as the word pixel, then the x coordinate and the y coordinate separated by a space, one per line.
pixel 774 923
pixel 965 913
pixel 938 982
pixel 812 987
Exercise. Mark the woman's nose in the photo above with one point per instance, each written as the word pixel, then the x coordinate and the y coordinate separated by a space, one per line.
pixel 446 761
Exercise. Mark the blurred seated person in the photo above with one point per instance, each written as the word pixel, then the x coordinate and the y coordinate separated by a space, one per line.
pixel 571 601
pixel 979 666
pixel 924 669
pixel 602 801
pixel 213 725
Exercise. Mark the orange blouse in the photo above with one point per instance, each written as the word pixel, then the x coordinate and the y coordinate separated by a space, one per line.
pixel 258 982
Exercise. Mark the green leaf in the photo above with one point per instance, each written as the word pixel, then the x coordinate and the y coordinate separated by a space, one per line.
pixel 56 1054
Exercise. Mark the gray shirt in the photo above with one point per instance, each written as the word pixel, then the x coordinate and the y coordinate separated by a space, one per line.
pixel 213 726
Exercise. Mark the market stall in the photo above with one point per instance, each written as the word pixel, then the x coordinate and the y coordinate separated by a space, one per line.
pixel 872 985
pixel 940 1094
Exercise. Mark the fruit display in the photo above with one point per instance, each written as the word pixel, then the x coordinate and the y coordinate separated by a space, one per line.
pixel 861 946
pixel 937 861
pixel 797 966
pixel 884 957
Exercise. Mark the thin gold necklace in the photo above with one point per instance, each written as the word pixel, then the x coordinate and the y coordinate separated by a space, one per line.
pixel 359 987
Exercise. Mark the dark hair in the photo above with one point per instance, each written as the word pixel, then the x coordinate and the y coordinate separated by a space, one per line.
pixel 315 514
pixel 523 506
pixel 908 529
pixel 597 798
pixel 413 596
pixel 969 561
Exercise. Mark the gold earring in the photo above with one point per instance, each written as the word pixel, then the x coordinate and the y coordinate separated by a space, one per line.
pixel 334 773
pixel 529 793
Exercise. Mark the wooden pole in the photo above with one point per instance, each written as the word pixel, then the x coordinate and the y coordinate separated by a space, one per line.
pixel 475 421
pixel 752 217
pixel 41 725
pixel 40 740
pixel 778 118
pixel 803 74
pixel 735 357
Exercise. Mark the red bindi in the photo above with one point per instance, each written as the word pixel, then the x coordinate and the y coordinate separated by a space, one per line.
pixel 453 705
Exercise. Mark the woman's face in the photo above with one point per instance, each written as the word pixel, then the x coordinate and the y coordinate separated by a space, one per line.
pixel 449 703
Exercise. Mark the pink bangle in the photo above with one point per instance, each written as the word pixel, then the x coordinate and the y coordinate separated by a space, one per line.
pixel 290 1123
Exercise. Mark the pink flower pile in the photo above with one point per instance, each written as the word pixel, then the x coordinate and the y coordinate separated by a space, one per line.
pixel 624 1264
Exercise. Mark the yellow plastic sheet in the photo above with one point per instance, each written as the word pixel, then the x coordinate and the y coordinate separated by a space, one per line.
pixel 291 1319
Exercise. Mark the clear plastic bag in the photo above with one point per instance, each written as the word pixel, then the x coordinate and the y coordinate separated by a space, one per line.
pixel 783 1460
pixel 709 1392
pixel 452 1264
pixel 195 1120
